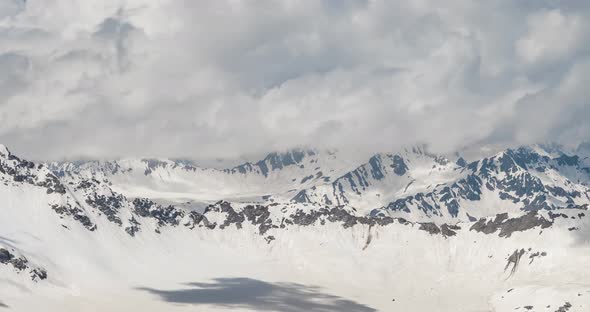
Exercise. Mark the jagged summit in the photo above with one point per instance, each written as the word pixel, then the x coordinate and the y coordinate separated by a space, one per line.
pixel 274 161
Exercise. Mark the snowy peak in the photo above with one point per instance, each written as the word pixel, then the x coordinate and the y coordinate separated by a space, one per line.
pixel 381 179
pixel 275 161
pixel 14 170
pixel 514 180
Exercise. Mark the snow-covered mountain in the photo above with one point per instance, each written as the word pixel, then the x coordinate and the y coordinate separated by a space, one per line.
pixel 412 183
pixel 277 175
pixel 410 228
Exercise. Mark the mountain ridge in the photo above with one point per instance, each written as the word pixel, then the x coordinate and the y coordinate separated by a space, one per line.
pixel 412 183
pixel 76 231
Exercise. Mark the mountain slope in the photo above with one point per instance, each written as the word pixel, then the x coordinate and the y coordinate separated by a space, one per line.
pixel 513 181
pixel 72 243
pixel 413 184
pixel 383 178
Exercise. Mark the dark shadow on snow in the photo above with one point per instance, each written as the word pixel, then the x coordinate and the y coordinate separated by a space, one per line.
pixel 258 295
pixel 2 305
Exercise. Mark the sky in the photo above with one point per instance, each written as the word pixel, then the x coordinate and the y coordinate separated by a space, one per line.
pixel 227 78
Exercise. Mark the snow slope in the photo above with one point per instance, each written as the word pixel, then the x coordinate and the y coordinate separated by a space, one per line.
pixel 102 250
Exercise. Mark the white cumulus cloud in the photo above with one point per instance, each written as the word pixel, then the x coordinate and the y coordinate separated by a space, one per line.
pixel 183 78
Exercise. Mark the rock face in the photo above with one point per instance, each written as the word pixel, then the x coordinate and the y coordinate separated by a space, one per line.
pixel 260 216
pixel 564 308
pixel 21 264
pixel 23 171
pixel 507 226
pixel 168 215
pixel 273 161
pixel 356 182
pixel 74 212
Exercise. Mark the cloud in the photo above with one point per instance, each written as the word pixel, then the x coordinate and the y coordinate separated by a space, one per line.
pixel 226 78
pixel 552 36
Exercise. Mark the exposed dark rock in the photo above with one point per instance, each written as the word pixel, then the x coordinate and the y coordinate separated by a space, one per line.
pixel 307 178
pixel 461 162
pixel 489 227
pixel 133 228
pixel 536 255
pixel 564 308
pixel 153 164
pixel 109 205
pixel 5 256
pixel 430 228
pixel 269 239
pixel 76 213
pixel 508 226
pixel 53 185
pixel 273 161
pixel 169 215
pixel 523 223
pixel 554 216
pixel 449 230
pixel 232 217
pixel 20 264
pixel 399 166
pixel 38 273
pixel 258 215
pixel 23 171
pixel 301 197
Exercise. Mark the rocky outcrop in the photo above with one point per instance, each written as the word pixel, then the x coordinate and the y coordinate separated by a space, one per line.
pixel 23 171
pixel 74 212
pixel 564 308
pixel 108 205
pixel 20 264
pixel 506 226
pixel 165 215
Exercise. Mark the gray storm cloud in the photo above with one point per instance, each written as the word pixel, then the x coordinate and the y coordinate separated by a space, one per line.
pixel 108 78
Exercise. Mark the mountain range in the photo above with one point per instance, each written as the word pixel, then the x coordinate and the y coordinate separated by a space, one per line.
pixel 78 228
pixel 413 183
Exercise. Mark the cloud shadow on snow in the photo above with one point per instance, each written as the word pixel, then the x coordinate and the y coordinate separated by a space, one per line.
pixel 240 293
